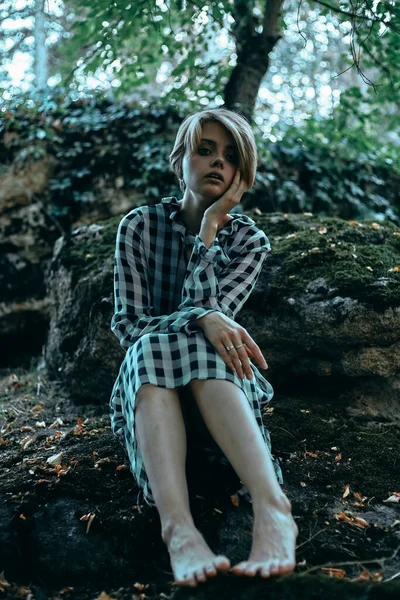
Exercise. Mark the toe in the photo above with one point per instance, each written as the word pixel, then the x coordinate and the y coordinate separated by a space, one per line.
pixel 222 563
pixel 252 569
pixel 200 575
pixel 187 580
pixel 239 568
pixel 211 571
pixel 265 571
pixel 275 568
pixel 286 567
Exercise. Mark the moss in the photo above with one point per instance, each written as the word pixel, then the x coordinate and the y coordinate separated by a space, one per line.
pixel 361 259
pixel 87 253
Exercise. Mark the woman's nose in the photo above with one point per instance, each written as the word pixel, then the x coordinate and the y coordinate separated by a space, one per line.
pixel 217 160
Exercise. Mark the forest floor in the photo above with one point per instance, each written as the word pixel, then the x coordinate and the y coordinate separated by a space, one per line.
pixel 73 526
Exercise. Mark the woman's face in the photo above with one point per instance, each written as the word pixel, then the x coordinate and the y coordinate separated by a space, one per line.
pixel 216 153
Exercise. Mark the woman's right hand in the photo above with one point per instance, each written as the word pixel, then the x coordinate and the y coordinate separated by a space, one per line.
pixel 223 332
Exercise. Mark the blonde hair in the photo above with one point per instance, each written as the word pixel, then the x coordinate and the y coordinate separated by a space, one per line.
pixel 189 136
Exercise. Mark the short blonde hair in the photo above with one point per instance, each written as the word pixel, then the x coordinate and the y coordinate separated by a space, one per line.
pixel 189 136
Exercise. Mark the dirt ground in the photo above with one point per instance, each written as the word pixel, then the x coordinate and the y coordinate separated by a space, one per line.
pixel 74 526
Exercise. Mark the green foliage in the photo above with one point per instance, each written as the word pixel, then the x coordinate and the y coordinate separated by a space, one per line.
pixel 102 146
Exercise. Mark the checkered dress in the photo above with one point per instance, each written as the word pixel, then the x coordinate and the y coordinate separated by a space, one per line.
pixel 159 295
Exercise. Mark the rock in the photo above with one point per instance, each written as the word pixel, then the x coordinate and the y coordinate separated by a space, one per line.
pixel 320 318
pixel 81 349
pixel 27 235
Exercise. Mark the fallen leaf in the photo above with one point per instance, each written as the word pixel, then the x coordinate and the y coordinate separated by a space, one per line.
pixel 338 457
pixel 218 511
pixel 257 211
pixel 395 497
pixel 353 519
pixel 122 468
pixel 376 226
pixel 303 484
pixel 312 454
pixel 322 229
pixel 334 572
pixel 139 586
pixel 89 518
pixel 346 490
pixel 235 500
pixel 55 459
pixel 105 596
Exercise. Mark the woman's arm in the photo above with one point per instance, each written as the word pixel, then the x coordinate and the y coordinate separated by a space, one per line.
pixel 133 303
pixel 229 290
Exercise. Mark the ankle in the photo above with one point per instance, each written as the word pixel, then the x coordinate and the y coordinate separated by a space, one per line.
pixel 278 501
pixel 170 524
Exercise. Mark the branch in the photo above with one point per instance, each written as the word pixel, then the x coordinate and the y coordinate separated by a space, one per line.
pixel 271 18
pixel 355 15
pixel 352 562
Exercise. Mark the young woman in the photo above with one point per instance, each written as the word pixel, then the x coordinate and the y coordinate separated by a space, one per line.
pixel 183 270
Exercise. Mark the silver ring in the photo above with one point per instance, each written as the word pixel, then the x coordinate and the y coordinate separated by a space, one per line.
pixel 239 346
pixel 227 348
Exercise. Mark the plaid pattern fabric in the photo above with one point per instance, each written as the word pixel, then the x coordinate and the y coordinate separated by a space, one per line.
pixel 159 295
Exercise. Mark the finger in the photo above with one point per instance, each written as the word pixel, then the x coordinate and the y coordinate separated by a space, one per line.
pixel 257 355
pixel 236 362
pixel 244 359
pixel 226 356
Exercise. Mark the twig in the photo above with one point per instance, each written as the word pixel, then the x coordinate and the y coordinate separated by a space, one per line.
pixel 390 578
pixel 313 536
pixel 351 562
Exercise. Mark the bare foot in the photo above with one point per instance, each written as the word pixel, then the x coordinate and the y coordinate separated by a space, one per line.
pixel 274 537
pixel 191 558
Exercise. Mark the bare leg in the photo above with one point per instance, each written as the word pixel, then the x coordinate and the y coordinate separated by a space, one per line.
pixel 161 436
pixel 231 422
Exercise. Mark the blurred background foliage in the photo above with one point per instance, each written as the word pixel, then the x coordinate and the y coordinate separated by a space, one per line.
pixel 102 86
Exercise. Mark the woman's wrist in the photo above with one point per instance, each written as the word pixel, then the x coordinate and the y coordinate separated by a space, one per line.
pixel 208 231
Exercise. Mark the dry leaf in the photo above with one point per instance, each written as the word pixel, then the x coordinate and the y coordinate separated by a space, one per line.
pixel 395 497
pixel 338 457
pixel 218 511
pixel 313 454
pixel 257 211
pixel 322 229
pixel 334 572
pixel 104 596
pixel 235 500
pixel 139 586
pixel 346 490
pixel 303 484
pixel 353 519
pixel 55 459
pixel 89 518
pixel 122 468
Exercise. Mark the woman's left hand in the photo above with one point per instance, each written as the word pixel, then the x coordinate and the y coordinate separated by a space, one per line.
pixel 217 212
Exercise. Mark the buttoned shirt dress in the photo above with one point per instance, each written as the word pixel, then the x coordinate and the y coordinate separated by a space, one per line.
pixel 159 294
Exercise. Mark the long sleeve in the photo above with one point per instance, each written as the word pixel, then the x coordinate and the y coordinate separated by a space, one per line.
pixel 133 316
pixel 226 290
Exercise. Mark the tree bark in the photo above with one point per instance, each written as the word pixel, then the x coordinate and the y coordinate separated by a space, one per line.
pixel 252 48
pixel 40 47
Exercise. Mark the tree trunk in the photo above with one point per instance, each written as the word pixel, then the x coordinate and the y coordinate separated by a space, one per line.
pixel 253 50
pixel 40 47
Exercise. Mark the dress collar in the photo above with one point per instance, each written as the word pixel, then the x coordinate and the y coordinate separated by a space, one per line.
pixel 174 206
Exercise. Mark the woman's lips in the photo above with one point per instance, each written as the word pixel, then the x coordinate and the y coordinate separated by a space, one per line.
pixel 210 178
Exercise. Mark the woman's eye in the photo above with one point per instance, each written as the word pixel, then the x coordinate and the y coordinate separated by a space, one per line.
pixel 203 150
